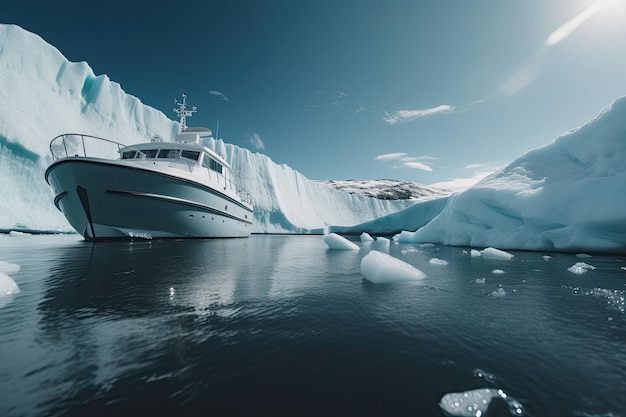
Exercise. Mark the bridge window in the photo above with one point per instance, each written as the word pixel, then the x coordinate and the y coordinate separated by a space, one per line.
pixel 169 153
pixel 128 154
pixel 194 155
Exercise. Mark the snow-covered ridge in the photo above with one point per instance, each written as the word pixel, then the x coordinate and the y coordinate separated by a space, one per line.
pixel 44 95
pixel 388 189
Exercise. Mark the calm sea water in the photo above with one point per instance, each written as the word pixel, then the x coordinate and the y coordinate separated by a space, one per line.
pixel 281 325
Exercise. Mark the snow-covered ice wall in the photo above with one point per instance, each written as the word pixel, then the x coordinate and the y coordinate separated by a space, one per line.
pixel 44 95
pixel 569 195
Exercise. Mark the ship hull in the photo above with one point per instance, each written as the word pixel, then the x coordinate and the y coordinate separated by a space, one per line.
pixel 104 199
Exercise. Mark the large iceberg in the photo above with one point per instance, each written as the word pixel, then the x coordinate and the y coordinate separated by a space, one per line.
pixel 44 95
pixel 569 195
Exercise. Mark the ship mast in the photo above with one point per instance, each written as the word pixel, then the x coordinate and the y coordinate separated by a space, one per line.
pixel 183 113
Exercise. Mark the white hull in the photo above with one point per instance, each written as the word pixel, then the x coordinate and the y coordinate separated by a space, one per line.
pixel 107 199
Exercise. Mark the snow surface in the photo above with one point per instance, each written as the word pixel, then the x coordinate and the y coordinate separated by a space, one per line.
pixel 380 268
pixel 568 195
pixel 44 95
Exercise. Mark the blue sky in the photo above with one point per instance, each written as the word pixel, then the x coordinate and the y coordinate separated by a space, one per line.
pixel 437 92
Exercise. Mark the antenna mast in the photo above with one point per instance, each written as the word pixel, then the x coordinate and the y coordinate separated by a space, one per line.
pixel 183 113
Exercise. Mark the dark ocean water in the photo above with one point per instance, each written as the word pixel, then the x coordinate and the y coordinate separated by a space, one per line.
pixel 281 325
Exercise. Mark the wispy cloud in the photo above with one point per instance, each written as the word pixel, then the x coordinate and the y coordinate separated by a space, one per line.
pixel 406 161
pixel 219 95
pixel 408 115
pixel 359 110
pixel 390 156
pixel 255 140
pixel 415 165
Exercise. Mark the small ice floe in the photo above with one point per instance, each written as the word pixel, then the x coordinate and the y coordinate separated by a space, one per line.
pixel 437 261
pixel 493 253
pixel 9 268
pixel 15 233
pixel 334 241
pixel 427 245
pixel 580 268
pixel 410 250
pixel 498 293
pixel 497 272
pixel 378 267
pixel 480 280
pixel 383 241
pixel 624 268
pixel 583 255
pixel 365 237
pixel 480 402
pixel 547 257
pixel 8 288
pixel 475 254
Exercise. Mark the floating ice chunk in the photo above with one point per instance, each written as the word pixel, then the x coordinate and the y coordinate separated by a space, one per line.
pixel 9 268
pixel 15 233
pixel 427 245
pixel 411 250
pixel 437 261
pixel 583 255
pixel 493 253
pixel 547 257
pixel 365 237
pixel 475 254
pixel 378 267
pixel 480 280
pixel 383 240
pixel 478 402
pixel 498 293
pixel 580 268
pixel 8 287
pixel 334 241
pixel 497 272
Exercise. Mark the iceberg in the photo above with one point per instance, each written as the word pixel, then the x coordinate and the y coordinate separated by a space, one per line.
pixel 567 195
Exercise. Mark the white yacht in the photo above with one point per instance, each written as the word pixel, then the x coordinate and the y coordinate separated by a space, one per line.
pixel 179 189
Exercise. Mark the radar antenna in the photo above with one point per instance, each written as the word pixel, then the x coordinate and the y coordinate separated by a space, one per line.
pixel 183 113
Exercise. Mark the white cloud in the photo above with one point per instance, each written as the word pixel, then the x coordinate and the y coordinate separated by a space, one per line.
pixel 406 160
pixel 255 140
pixel 390 156
pixel 359 110
pixel 218 94
pixel 417 165
pixel 408 115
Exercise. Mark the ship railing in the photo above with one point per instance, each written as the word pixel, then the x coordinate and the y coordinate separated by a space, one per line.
pixel 81 145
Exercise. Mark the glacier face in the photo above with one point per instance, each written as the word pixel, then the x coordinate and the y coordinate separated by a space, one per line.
pixel 45 95
pixel 569 195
